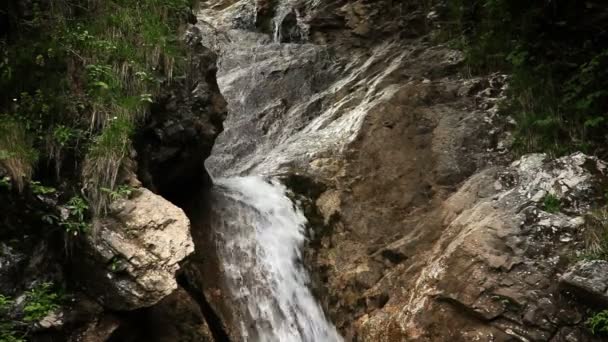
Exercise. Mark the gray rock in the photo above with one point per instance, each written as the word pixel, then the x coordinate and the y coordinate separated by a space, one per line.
pixel 589 280
pixel 133 256
pixel 53 320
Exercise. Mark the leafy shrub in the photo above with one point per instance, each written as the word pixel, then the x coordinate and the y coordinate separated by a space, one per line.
pixel 598 323
pixel 40 301
pixel 40 189
pixel 76 223
pixel 5 303
pixel 8 333
pixel 123 191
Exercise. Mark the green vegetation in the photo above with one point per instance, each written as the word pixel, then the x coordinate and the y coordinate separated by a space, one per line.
pixel 76 223
pixel 598 323
pixel 40 301
pixel 75 78
pixel 8 333
pixel 7 329
pixel 551 204
pixel 556 56
pixel 123 191
pixel 40 189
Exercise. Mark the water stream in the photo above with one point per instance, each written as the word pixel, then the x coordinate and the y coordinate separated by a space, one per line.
pixel 259 236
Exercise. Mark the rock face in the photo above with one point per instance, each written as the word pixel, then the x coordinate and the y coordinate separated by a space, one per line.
pixel 589 280
pixel 140 243
pixel 181 128
pixel 176 318
pixel 494 271
pixel 423 229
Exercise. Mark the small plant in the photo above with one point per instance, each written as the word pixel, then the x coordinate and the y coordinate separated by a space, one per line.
pixel 63 135
pixel 78 207
pixel 7 328
pixel 39 189
pixel 5 302
pixel 75 228
pixel 551 204
pixel 598 323
pixel 40 301
pixel 76 223
pixel 115 265
pixel 123 191
pixel 8 333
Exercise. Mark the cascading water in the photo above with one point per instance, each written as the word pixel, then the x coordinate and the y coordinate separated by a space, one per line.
pixel 283 9
pixel 259 234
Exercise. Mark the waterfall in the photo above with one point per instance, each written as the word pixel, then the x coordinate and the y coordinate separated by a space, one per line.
pixel 259 234
pixel 283 9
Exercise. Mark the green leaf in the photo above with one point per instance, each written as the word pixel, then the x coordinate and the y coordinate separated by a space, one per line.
pixel 102 85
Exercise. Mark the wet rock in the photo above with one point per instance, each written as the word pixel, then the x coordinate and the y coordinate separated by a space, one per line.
pixel 133 256
pixel 426 232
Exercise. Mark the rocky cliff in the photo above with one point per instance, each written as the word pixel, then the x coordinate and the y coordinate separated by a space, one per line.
pixel 423 229
pixel 423 224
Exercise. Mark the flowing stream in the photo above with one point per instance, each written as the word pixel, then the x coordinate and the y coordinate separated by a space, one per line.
pixel 259 236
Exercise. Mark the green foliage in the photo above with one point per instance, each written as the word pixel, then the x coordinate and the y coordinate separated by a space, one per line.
pixel 76 223
pixel 558 65
pixel 123 191
pixel 7 328
pixel 63 135
pixel 551 204
pixel 103 163
pixel 76 77
pixel 8 333
pixel 40 301
pixel 598 323
pixel 39 189
pixel 5 303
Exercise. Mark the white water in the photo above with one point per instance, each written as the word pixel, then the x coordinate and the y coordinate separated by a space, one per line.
pixel 260 234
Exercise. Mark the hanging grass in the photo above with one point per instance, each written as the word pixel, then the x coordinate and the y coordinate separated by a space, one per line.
pixel 84 74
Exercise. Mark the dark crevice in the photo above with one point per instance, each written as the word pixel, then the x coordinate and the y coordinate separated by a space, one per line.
pixel 213 320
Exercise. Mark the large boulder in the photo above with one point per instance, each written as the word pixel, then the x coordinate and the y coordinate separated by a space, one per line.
pixel 133 254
